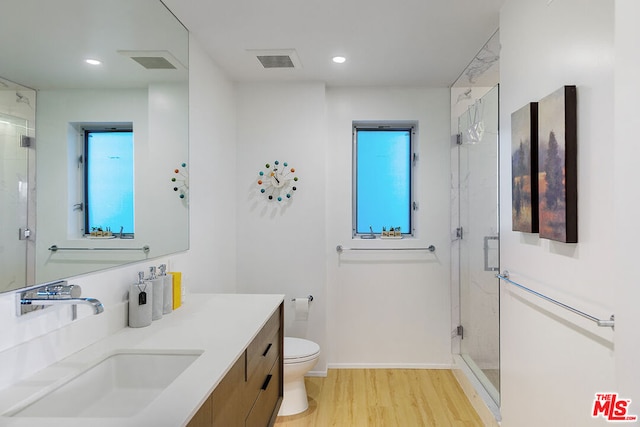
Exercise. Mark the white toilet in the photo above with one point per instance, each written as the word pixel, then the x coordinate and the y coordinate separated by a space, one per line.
pixel 300 356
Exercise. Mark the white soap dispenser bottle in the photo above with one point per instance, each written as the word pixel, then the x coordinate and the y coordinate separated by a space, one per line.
pixel 140 297
pixel 158 294
pixel 167 305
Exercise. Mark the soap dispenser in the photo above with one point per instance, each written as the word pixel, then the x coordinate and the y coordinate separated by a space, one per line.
pixel 167 305
pixel 140 297
pixel 158 293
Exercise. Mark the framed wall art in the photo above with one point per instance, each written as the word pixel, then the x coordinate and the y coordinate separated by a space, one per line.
pixel 524 168
pixel 557 166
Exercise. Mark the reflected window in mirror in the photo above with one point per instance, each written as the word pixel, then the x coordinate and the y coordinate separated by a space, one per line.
pixel 109 182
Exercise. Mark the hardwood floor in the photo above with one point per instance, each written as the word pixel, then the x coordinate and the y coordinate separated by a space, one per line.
pixel 384 398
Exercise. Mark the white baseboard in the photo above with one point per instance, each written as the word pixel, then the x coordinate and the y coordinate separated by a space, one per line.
pixel 389 366
pixel 377 366
pixel 316 374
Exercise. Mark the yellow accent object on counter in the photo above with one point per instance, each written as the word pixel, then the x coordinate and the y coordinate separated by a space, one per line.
pixel 177 289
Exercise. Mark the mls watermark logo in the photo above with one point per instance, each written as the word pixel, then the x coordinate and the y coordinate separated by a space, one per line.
pixel 611 408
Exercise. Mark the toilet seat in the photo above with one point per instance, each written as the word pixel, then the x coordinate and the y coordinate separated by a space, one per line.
pixel 298 350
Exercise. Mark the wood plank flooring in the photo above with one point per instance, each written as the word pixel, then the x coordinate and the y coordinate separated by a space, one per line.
pixel 384 398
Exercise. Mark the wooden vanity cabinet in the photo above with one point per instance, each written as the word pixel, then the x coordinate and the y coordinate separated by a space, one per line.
pixel 251 392
pixel 227 400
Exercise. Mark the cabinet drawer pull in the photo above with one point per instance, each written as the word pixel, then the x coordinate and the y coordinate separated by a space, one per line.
pixel 266 382
pixel 267 350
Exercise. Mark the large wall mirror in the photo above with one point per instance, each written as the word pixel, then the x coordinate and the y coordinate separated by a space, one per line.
pixel 51 100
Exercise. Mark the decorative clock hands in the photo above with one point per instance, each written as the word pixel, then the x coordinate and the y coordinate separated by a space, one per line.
pixel 280 182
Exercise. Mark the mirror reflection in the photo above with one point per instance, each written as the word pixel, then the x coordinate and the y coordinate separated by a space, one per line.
pixel 71 201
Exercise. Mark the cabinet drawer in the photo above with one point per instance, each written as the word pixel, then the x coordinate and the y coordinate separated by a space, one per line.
pixel 266 406
pixel 262 364
pixel 263 344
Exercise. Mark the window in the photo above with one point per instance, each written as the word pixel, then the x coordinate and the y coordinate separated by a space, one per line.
pixel 382 177
pixel 109 180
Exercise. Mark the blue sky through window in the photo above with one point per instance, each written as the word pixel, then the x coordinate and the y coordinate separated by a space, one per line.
pixel 110 181
pixel 383 180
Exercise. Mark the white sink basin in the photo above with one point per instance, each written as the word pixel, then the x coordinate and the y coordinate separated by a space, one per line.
pixel 120 385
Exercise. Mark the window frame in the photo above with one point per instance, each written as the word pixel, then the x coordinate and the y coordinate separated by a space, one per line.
pixel 86 131
pixel 385 125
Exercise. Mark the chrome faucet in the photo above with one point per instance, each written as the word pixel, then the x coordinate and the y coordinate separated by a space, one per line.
pixel 57 293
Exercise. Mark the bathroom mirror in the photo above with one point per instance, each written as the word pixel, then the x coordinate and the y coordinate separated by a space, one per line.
pixel 49 93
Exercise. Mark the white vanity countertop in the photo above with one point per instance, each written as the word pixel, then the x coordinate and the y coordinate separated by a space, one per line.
pixel 221 325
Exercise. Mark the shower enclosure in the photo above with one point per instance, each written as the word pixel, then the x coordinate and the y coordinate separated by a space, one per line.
pixel 13 213
pixel 17 178
pixel 478 240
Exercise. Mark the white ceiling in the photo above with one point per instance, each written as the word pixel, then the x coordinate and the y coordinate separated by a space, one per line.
pixel 388 43
pixel 43 43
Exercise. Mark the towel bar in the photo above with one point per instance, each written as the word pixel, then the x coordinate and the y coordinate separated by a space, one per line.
pixel 600 322
pixel 55 248
pixel 341 249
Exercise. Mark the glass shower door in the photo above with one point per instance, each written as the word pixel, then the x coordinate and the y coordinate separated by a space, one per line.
pixel 479 243
pixel 14 170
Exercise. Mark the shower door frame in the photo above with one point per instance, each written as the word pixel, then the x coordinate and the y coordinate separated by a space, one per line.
pixel 17 190
pixel 491 243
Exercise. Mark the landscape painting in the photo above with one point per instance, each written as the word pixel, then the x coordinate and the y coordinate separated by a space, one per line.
pixel 524 168
pixel 557 166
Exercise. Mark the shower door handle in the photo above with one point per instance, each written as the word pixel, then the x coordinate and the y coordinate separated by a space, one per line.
pixel 486 253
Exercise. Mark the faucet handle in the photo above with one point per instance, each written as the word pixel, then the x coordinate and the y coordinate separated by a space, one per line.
pixel 73 291
pixel 60 290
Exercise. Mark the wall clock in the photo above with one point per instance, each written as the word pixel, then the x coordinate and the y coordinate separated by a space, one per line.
pixel 277 182
pixel 181 181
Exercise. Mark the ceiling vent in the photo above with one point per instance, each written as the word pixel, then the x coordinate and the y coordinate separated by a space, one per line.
pixel 154 62
pixel 153 59
pixel 278 58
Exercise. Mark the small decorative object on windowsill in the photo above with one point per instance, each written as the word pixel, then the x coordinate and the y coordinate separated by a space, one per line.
pixel 278 182
pixel 393 233
pixel 100 233
pixel 181 181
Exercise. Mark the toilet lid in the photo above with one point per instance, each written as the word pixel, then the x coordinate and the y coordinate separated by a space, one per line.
pixel 298 348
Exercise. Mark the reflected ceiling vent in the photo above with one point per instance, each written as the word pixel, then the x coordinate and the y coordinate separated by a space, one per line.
pixel 154 59
pixel 278 58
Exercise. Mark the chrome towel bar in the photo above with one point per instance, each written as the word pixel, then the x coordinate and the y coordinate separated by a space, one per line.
pixel 600 322
pixel 341 249
pixel 55 248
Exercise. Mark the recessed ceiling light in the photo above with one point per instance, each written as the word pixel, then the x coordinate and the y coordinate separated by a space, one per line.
pixel 339 59
pixel 93 61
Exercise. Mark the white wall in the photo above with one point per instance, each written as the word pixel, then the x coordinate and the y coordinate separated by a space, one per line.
pixel 210 264
pixel 281 246
pixel 624 279
pixel 554 362
pixel 386 308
